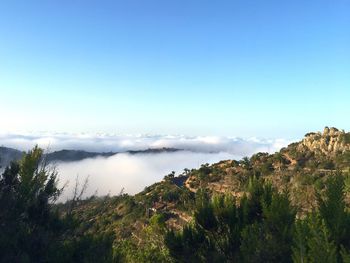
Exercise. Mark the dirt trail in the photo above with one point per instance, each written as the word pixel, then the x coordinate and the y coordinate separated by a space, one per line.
pixel 187 185
pixel 292 161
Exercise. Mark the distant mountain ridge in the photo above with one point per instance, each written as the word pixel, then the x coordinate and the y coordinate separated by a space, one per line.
pixel 7 155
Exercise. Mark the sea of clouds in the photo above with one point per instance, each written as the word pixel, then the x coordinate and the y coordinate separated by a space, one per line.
pixel 134 172
pixel 122 143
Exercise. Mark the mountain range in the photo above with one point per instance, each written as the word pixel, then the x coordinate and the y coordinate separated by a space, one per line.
pixel 9 154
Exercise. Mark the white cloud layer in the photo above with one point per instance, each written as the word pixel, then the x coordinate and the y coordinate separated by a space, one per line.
pixel 120 143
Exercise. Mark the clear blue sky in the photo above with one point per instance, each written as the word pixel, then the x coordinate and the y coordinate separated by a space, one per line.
pixel 265 68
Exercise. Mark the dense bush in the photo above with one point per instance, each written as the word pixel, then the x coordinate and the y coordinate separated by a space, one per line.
pixel 31 230
pixel 263 228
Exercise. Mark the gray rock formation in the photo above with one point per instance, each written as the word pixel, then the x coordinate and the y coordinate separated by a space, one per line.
pixel 330 142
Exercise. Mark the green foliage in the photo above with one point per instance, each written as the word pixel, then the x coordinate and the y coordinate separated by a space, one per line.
pixel 345 255
pixel 262 227
pixel 324 235
pixel 157 220
pixel 191 245
pixel 332 209
pixel 259 229
pixel 171 195
pixel 346 138
pixel 259 193
pixel 87 248
pixel 269 237
pixel 312 242
pixel 128 251
pixel 246 163
pixel 28 227
pixel 31 230
pixel 342 160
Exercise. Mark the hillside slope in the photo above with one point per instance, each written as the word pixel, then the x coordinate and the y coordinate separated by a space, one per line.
pixel 301 169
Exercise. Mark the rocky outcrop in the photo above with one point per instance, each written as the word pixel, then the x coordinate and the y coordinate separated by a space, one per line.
pixel 330 142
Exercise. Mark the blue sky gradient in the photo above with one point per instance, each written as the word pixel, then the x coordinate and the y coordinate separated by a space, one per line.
pixel 228 68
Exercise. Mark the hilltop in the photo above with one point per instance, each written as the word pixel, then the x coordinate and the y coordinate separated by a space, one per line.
pixel 331 142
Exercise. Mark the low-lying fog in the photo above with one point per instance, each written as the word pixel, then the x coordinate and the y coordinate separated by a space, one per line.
pixel 131 172
pixel 135 172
